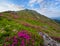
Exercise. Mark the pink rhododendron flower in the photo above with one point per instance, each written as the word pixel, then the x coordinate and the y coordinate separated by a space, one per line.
pixel 24 35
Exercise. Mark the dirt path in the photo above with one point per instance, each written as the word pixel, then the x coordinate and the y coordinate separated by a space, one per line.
pixel 48 41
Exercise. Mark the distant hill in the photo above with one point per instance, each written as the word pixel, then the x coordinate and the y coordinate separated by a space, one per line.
pixel 57 19
pixel 26 24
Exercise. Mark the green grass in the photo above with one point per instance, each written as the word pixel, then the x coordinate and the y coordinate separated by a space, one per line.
pixel 9 27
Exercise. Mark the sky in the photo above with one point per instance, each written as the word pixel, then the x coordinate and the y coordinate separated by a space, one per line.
pixel 49 8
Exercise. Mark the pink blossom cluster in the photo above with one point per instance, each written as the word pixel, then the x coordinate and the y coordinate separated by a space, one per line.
pixel 26 25
pixel 1 15
pixel 21 39
pixel 15 16
pixel 23 34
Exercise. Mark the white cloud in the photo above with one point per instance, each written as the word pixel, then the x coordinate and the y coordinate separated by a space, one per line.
pixel 5 6
pixel 49 9
pixel 49 13
pixel 39 1
pixel 31 2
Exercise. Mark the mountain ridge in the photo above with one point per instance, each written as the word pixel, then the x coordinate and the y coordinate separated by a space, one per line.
pixel 30 21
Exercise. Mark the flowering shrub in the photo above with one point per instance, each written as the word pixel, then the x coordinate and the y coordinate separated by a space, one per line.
pixel 26 25
pixel 22 39
pixel 1 14
pixel 15 16
pixel 23 34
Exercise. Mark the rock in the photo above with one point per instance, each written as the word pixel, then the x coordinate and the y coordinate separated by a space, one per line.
pixel 48 41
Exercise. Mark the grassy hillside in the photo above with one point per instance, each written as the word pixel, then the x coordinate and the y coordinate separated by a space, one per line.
pixel 23 27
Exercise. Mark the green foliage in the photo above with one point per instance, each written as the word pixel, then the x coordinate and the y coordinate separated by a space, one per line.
pixel 9 25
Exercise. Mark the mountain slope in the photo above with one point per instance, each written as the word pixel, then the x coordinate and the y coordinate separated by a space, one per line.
pixel 26 21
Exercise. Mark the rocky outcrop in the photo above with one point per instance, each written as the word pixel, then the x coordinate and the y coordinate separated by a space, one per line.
pixel 48 41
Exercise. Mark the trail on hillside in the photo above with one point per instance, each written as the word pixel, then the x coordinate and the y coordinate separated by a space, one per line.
pixel 48 41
